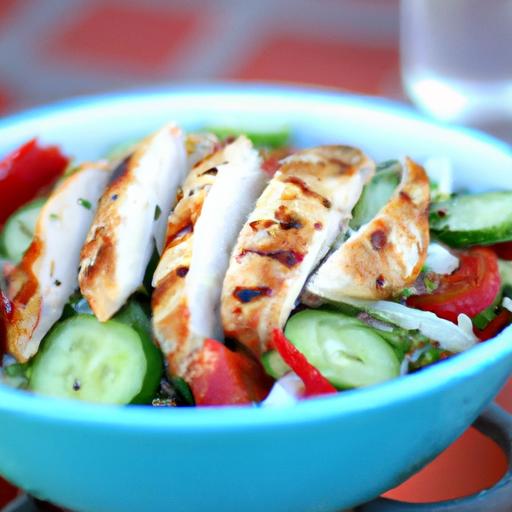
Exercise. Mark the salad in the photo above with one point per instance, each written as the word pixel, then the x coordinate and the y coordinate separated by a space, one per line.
pixel 219 268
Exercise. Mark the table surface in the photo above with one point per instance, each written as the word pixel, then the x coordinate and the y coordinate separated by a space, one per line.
pixel 57 48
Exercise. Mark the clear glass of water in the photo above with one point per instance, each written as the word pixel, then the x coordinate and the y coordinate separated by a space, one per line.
pixel 456 58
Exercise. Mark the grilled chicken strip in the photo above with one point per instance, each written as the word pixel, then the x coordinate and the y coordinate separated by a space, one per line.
pixel 130 219
pixel 386 255
pixel 42 283
pixel 302 211
pixel 217 197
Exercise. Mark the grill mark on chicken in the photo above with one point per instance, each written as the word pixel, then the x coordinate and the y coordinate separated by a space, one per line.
pixel 286 219
pixel 210 172
pixel 144 186
pixel 258 225
pixel 384 256
pixel 245 295
pixel 176 234
pixel 182 271
pixel 176 279
pixel 297 218
pixel 405 196
pixel 343 166
pixel 307 191
pixel 120 170
pixel 378 239
pixel 288 258
pixel 204 187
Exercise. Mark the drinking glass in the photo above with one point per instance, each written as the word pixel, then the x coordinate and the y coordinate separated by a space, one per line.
pixel 456 58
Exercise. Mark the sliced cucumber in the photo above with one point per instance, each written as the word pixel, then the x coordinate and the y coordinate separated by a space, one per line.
pixel 505 268
pixel 403 341
pixel 376 193
pixel 346 351
pixel 18 231
pixel 473 219
pixel 274 364
pixel 108 362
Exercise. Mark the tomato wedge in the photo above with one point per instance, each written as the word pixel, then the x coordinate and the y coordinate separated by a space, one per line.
pixel 470 289
pixel 503 250
pixel 272 159
pixel 7 493
pixel 219 376
pixel 314 382
pixel 25 172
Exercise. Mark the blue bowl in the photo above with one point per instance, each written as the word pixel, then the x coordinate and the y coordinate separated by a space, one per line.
pixel 323 454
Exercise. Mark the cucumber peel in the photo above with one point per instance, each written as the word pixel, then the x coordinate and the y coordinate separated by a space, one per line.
pixel 376 193
pixel 473 219
pixel 274 364
pixel 346 351
pixel 18 232
pixel 104 362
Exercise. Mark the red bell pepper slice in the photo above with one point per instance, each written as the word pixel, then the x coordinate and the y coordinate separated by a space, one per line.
pixel 470 289
pixel 270 165
pixel 219 376
pixel 25 172
pixel 495 326
pixel 314 382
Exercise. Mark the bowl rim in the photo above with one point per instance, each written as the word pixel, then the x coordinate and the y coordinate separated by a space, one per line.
pixel 410 387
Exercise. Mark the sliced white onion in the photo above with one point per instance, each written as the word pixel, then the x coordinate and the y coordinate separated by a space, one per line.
pixel 404 366
pixel 465 324
pixel 440 260
pixel 288 390
pixel 507 303
pixel 449 336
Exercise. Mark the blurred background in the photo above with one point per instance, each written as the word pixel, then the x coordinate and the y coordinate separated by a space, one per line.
pixel 59 48
pixel 54 49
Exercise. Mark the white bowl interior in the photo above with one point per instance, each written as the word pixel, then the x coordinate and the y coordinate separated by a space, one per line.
pixel 87 128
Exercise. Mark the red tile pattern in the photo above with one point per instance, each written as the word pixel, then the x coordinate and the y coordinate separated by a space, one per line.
pixel 6 99
pixel 345 64
pixel 7 8
pixel 117 37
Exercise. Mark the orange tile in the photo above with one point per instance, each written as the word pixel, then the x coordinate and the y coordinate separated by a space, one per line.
pixel 505 397
pixel 470 465
pixel 123 38
pixel 335 63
